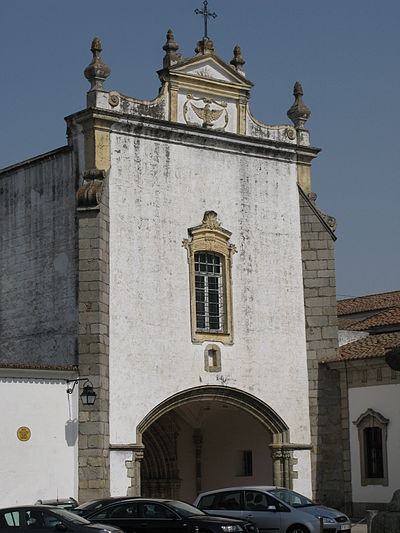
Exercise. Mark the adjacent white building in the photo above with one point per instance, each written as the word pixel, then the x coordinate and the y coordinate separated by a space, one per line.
pixel 370 392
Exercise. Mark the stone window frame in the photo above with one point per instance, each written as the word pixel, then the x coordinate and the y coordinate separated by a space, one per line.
pixel 218 364
pixel 371 418
pixel 211 237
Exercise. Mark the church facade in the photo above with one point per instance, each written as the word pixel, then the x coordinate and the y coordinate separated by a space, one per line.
pixel 173 255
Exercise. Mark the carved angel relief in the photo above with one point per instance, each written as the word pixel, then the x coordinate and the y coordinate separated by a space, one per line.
pixel 211 114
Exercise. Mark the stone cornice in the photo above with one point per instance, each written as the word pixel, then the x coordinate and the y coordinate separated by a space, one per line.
pixel 291 446
pixel 210 86
pixel 188 135
pixel 123 447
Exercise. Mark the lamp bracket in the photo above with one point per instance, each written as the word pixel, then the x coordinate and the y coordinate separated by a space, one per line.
pixel 70 390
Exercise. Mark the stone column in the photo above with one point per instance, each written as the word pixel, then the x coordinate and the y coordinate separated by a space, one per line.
pixel 277 467
pixel 134 471
pixel 93 237
pixel 287 468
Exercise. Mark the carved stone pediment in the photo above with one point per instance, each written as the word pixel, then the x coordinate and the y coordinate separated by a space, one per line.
pixel 210 68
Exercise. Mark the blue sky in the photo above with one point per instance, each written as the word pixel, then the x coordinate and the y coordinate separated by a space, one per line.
pixel 345 53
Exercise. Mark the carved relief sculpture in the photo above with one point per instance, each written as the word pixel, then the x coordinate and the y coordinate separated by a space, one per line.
pixel 206 114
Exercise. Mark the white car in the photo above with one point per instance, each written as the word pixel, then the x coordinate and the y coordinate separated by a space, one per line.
pixel 273 509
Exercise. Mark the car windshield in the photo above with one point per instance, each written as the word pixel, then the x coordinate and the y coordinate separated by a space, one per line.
pixel 185 509
pixel 91 506
pixel 291 498
pixel 70 517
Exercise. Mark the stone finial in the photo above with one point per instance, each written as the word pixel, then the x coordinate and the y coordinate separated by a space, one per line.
pixel 96 72
pixel 299 112
pixel 204 47
pixel 170 47
pixel 238 60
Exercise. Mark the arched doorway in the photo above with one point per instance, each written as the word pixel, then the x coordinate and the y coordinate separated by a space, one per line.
pixel 208 437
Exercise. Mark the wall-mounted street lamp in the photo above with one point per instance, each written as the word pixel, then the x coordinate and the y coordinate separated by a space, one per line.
pixel 88 396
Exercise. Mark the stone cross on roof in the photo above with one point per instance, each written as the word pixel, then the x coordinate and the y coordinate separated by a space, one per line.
pixel 206 14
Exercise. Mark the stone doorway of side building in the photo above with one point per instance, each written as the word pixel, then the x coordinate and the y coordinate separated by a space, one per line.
pixel 204 445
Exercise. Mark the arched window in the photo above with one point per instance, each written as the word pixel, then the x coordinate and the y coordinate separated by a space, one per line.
pixel 210 261
pixel 372 434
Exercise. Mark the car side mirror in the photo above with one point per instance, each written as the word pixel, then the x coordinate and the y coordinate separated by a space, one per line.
pixel 61 527
pixel 271 508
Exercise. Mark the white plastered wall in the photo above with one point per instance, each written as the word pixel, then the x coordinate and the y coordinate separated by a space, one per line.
pixel 46 465
pixel 385 399
pixel 157 191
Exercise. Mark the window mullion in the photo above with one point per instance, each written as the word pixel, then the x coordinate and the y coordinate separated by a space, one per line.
pixel 206 302
pixel 221 302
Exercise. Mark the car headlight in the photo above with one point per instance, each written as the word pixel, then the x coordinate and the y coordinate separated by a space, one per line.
pixel 231 528
pixel 327 520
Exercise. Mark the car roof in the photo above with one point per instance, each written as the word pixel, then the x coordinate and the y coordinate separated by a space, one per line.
pixel 113 499
pixel 244 487
pixel 30 506
pixel 109 499
pixel 57 500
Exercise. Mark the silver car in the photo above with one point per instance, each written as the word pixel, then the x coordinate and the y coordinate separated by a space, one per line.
pixel 273 509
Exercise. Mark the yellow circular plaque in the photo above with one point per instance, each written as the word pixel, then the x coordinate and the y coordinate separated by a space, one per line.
pixel 24 433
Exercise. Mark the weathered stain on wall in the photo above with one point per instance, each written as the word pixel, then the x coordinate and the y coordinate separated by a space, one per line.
pixel 38 255
pixel 159 189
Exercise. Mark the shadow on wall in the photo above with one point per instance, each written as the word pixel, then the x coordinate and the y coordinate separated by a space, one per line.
pixel 71 431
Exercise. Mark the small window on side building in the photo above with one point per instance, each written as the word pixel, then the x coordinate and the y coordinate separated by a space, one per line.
pixel 372 436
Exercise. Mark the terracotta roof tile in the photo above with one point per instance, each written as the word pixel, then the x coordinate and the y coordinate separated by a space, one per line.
pixel 368 347
pixel 368 303
pixel 388 317
pixel 346 323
